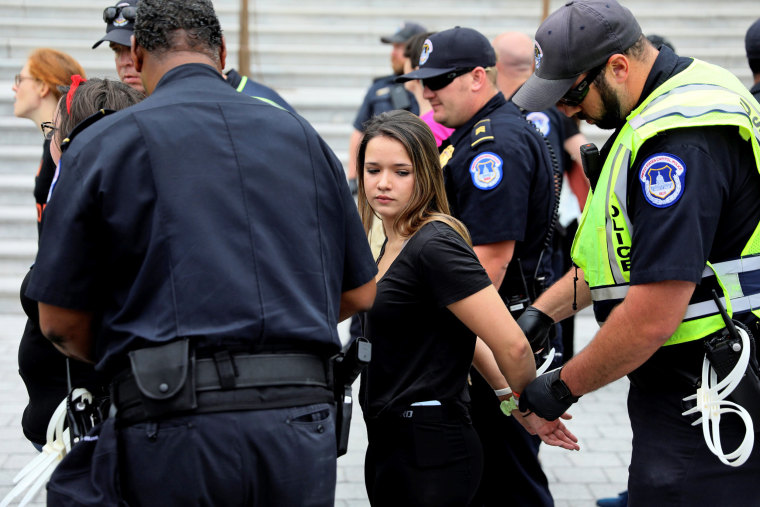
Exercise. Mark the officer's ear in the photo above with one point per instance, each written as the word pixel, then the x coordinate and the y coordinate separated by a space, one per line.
pixel 222 54
pixel 479 78
pixel 138 53
pixel 619 67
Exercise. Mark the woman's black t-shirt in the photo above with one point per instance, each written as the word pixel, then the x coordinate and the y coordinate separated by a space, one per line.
pixel 420 350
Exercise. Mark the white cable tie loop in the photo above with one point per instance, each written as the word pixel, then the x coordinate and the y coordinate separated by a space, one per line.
pixel 711 402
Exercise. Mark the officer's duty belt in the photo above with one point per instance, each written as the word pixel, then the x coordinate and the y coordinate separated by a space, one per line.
pixel 225 382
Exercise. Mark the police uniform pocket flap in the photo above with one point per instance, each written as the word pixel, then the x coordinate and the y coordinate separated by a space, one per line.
pixel 161 372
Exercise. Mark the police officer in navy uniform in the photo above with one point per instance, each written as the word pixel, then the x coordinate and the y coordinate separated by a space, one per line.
pixel 120 23
pixel 499 183
pixel 180 258
pixel 752 46
pixel 674 207
pixel 385 94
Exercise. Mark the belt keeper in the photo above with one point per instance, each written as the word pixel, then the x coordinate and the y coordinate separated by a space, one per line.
pixel 226 369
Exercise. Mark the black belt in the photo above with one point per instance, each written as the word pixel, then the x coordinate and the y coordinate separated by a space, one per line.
pixel 233 382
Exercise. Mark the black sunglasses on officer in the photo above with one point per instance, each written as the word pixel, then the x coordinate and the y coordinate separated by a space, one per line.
pixel 577 94
pixel 444 80
pixel 129 12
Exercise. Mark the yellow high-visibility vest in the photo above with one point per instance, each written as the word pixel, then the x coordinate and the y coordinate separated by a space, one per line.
pixel 701 95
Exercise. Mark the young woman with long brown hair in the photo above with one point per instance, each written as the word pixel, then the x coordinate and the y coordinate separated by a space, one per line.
pixel 433 299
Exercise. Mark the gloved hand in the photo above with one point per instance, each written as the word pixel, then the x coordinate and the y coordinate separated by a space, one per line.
pixel 537 327
pixel 547 396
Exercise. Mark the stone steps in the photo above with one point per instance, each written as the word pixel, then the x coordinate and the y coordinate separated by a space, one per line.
pixel 320 56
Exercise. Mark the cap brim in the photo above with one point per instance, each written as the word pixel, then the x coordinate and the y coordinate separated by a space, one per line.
pixel 119 36
pixel 538 94
pixel 391 39
pixel 424 73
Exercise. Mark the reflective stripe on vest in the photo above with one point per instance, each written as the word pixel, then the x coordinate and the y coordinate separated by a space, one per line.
pixel 701 95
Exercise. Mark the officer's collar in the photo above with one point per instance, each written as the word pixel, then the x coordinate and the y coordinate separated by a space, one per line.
pixel 186 70
pixel 666 65
pixel 496 101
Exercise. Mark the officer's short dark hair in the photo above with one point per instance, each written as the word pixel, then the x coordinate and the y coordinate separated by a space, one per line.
pixel 158 25
pixel 91 96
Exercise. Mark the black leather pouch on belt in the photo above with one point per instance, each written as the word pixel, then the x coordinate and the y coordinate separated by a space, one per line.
pixel 165 378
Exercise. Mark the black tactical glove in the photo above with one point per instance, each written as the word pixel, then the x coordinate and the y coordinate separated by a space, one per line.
pixel 537 327
pixel 547 396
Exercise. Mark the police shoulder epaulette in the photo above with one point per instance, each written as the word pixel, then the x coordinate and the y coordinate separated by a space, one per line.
pixel 481 133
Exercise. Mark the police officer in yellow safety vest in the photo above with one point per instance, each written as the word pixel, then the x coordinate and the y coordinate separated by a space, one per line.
pixel 674 215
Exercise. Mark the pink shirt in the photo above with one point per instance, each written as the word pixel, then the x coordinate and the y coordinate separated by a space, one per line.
pixel 440 132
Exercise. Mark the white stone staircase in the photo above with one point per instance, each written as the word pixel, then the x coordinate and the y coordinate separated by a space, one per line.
pixel 321 56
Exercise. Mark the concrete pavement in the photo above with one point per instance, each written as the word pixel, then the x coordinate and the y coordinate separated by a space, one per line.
pixel 576 478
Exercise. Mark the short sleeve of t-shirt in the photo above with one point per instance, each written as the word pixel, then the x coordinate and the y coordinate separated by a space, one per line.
pixel 449 267
pixel 676 196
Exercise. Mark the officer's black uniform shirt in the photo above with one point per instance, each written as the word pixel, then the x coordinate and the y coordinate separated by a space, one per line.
pixel 384 95
pixel 520 205
pixel 715 215
pixel 755 91
pixel 254 89
pixel 200 212
pixel 420 350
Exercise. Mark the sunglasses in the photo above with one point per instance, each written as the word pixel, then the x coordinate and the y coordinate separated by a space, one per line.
pixel 576 95
pixel 48 129
pixel 444 80
pixel 128 11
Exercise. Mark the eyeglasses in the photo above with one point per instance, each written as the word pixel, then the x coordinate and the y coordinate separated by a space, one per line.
pixel 578 93
pixel 48 129
pixel 128 11
pixel 18 78
pixel 442 81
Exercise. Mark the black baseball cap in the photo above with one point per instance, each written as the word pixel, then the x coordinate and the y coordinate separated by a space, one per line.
pixel 453 49
pixel 119 29
pixel 752 41
pixel 579 36
pixel 404 33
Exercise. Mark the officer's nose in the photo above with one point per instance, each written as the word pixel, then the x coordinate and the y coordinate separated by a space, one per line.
pixel 568 110
pixel 427 93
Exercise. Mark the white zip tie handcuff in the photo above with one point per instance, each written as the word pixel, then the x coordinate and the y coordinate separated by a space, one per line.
pixel 711 402
pixel 37 472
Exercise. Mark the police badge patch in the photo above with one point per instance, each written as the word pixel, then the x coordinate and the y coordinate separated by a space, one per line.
pixel 538 54
pixel 541 121
pixel 663 178
pixel 427 48
pixel 486 171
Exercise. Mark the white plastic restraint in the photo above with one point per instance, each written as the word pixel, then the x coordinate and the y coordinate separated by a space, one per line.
pixel 711 402
pixel 37 472
pixel 544 366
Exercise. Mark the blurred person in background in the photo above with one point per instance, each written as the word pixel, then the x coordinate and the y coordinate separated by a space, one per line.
pixel 40 365
pixel 752 46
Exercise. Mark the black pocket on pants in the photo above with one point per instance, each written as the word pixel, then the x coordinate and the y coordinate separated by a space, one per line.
pixel 437 443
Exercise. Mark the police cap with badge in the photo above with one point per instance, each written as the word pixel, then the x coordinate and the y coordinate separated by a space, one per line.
pixel 120 23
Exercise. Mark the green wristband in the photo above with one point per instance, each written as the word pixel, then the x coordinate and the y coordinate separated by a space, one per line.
pixel 507 406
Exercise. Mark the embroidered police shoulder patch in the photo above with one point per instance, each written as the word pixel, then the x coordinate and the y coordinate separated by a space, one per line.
pixel 486 170
pixel 541 121
pixel 663 178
